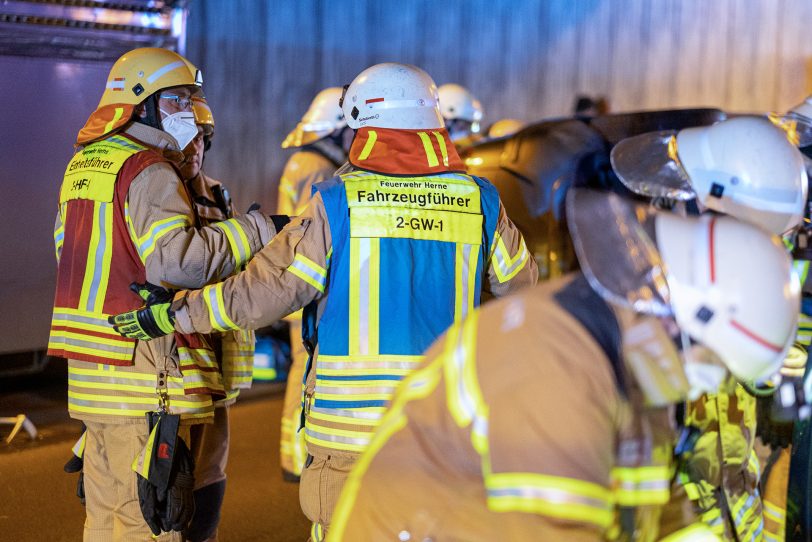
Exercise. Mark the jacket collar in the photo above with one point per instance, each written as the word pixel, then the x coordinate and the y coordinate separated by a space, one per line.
pixel 404 152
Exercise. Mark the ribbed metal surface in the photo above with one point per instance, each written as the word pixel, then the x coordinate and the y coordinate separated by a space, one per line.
pixel 87 29
pixel 264 60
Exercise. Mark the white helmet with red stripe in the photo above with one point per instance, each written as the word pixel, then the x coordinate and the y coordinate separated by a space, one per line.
pixel 392 95
pixel 732 289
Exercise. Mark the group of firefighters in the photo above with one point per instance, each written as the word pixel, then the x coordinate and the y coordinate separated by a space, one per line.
pixel 619 402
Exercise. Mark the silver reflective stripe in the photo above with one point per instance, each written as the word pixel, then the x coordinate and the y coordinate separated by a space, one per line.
pixel 465 286
pixel 339 389
pixel 748 504
pixel 649 485
pixel 96 345
pixel 551 495
pixel 502 263
pixel 142 407
pixel 363 296
pixel 317 277
pixel 99 257
pixel 164 70
pixel 360 414
pixel 383 365
pixel 70 317
pixel 242 251
pixel 336 438
pixel 197 356
pixel 123 381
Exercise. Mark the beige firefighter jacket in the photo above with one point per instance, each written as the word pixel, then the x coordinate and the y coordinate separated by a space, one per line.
pixel 184 255
pixel 514 428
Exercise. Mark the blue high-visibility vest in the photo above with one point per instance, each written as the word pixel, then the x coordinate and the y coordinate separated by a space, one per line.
pixel 408 255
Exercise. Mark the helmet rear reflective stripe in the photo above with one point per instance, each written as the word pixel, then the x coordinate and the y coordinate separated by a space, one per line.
pixel 760 340
pixel 392 95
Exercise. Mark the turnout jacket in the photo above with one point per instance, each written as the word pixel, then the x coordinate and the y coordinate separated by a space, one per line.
pixel 125 216
pixel 524 423
pixel 385 259
pixel 233 349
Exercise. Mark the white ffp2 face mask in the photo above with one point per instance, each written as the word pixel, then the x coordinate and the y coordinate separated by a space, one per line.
pixel 181 126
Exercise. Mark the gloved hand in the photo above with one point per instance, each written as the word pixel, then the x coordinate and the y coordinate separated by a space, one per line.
pixel 151 293
pixel 773 432
pixel 155 319
pixel 179 506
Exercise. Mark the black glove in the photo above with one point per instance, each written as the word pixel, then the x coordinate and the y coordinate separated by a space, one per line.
pixel 179 506
pixel 155 319
pixel 166 495
pixel 774 422
pixel 151 293
pixel 148 501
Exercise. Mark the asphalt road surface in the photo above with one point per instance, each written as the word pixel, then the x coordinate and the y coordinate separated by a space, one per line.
pixel 38 502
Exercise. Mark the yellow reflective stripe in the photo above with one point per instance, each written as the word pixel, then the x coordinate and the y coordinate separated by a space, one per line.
pixel 801 267
pixel 416 386
pixel 59 237
pixel 640 486
pixel 218 317
pixel 237 240
pixel 773 511
pixel 431 156
pixel 120 342
pixel 552 496
pixel 694 533
pixel 462 388
pixel 79 448
pixel 372 138
pixel 146 244
pixel 116 117
pixel 99 255
pixel 374 421
pixel 316 532
pixel 145 457
pixel 309 271
pixel 441 142
pixel 465 267
pixel 505 266
pixel 363 297
pixel 70 348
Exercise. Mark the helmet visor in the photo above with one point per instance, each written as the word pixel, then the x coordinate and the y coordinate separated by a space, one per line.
pixel 648 165
pixel 614 242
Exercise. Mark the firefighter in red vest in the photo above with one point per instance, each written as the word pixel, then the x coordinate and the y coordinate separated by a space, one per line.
pixel 125 217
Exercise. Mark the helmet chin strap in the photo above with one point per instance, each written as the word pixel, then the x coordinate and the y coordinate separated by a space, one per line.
pixel 152 117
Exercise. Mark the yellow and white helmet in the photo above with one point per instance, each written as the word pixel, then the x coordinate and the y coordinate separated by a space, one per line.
pixel 392 95
pixel 322 118
pixel 744 167
pixel 134 77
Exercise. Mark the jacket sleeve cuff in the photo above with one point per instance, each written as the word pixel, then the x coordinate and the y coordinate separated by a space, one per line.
pixel 183 321
pixel 265 227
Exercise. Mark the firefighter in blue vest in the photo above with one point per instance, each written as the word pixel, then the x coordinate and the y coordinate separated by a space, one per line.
pixel 385 257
